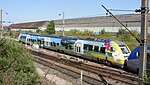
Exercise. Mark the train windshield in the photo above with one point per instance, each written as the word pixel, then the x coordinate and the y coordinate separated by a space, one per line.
pixel 124 49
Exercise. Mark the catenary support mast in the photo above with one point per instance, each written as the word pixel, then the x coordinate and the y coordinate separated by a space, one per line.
pixel 1 21
pixel 143 45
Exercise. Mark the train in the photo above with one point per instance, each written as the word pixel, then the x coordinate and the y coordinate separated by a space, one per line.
pixel 93 49
pixel 133 62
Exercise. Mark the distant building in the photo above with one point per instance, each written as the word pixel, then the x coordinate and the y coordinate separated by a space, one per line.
pixel 95 24
pixel 29 26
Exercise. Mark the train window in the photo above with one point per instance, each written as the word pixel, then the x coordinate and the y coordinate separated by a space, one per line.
pixel 79 49
pixel 96 48
pixel 124 49
pixel 102 50
pixel 46 43
pixel 148 47
pixel 51 43
pixel 54 44
pixel 23 37
pixel 111 49
pixel 58 44
pixel 70 47
pixel 90 47
pixel 85 47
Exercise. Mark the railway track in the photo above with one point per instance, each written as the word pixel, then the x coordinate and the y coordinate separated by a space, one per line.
pixel 102 74
pixel 66 70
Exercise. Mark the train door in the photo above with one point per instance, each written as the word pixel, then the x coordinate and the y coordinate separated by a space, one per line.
pixel 40 42
pixel 78 46
pixel 47 41
pixel 28 40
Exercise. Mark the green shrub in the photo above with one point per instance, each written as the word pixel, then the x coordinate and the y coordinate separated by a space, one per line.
pixel 38 31
pixel 135 32
pixel 122 31
pixel 16 65
pixel 103 31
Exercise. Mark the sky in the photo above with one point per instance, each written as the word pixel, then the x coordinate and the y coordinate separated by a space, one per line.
pixel 38 10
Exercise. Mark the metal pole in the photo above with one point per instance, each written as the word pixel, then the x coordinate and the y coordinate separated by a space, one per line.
pixel 1 23
pixel 63 23
pixel 81 77
pixel 143 45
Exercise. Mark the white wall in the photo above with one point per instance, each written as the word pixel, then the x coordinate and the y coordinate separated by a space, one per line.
pixel 98 29
pixel 42 28
pixel 33 30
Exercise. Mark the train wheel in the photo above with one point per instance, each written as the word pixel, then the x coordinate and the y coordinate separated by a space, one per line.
pixel 61 51
pixel 122 66
pixel 101 61
pixel 125 65
pixel 137 71
pixel 85 61
pixel 109 63
pixel 58 50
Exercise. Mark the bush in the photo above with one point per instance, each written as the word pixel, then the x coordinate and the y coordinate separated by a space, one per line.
pixel 103 31
pixel 87 32
pixel 51 27
pixel 75 32
pixel 135 32
pixel 122 31
pixel 16 65
pixel 126 37
pixel 38 31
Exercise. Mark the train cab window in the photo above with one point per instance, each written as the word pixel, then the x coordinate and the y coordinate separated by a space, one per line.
pixel 23 37
pixel 90 47
pixel 124 49
pixel 102 50
pixel 96 48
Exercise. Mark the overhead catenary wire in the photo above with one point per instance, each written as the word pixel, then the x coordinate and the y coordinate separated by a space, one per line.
pixel 122 10
pixel 121 23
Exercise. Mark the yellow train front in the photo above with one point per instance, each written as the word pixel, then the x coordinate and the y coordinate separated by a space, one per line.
pixel 104 50
pixel 99 50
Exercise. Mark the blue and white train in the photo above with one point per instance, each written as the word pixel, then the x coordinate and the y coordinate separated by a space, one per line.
pixel 133 62
pixel 99 50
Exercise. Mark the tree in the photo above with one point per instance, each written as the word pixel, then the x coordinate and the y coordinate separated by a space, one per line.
pixel 38 31
pixel 51 27
pixel 16 65
pixel 103 31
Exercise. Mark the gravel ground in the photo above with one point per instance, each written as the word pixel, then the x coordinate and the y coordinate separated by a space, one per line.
pixel 49 77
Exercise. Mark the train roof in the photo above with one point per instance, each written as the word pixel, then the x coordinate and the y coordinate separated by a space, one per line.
pixel 75 38
pixel 119 42
pixel 42 35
